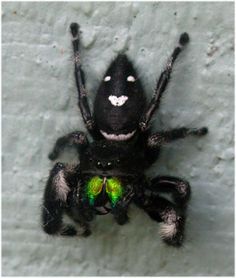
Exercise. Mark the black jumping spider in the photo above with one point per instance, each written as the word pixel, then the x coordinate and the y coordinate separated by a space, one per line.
pixel 110 174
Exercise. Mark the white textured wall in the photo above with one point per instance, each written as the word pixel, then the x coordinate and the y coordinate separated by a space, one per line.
pixel 39 104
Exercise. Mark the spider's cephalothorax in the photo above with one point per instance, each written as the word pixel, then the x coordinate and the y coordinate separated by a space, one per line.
pixel 111 172
pixel 108 170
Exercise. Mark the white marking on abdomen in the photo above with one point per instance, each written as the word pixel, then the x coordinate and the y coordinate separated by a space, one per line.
pixel 117 137
pixel 117 101
pixel 107 78
pixel 130 78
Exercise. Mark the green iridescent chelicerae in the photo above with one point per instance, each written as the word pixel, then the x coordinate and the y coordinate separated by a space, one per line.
pixel 112 185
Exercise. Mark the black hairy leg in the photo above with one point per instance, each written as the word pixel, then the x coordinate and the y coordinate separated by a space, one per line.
pixel 62 180
pixel 171 217
pixel 162 83
pixel 158 139
pixel 54 201
pixel 79 77
pixel 75 139
pixel 178 188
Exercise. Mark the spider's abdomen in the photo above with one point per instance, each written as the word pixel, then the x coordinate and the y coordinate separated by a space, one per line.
pixel 120 100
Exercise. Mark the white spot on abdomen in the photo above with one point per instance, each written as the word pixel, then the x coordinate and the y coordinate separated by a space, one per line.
pixel 130 78
pixel 117 101
pixel 119 137
pixel 107 78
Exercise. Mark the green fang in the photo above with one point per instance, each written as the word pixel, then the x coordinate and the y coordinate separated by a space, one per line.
pixel 94 187
pixel 114 190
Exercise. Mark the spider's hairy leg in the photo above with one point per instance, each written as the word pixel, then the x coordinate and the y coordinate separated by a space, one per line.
pixel 179 188
pixel 162 83
pixel 55 198
pixel 171 217
pixel 80 81
pixel 75 139
pixel 81 217
pixel 158 139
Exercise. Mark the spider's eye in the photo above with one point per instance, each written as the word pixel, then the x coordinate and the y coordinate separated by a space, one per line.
pixel 109 165
pixel 99 165
pixel 107 78
pixel 130 78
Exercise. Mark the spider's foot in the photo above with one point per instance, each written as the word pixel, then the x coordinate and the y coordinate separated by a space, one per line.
pixel 53 155
pixel 74 28
pixel 68 230
pixel 201 131
pixel 175 241
pixel 171 234
pixel 184 39
pixel 172 228
pixel 86 233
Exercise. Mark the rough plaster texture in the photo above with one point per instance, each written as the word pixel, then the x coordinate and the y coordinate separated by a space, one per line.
pixel 39 104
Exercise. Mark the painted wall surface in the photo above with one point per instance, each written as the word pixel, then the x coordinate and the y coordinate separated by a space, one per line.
pixel 39 105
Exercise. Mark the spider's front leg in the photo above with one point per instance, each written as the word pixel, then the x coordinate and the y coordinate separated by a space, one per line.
pixel 75 139
pixel 61 184
pixel 171 217
pixel 178 188
pixel 162 83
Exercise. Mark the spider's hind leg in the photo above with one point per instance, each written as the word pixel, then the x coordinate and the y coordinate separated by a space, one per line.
pixel 158 139
pixel 80 81
pixel 162 83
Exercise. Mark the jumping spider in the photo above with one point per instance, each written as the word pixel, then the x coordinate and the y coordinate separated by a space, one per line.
pixel 110 174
